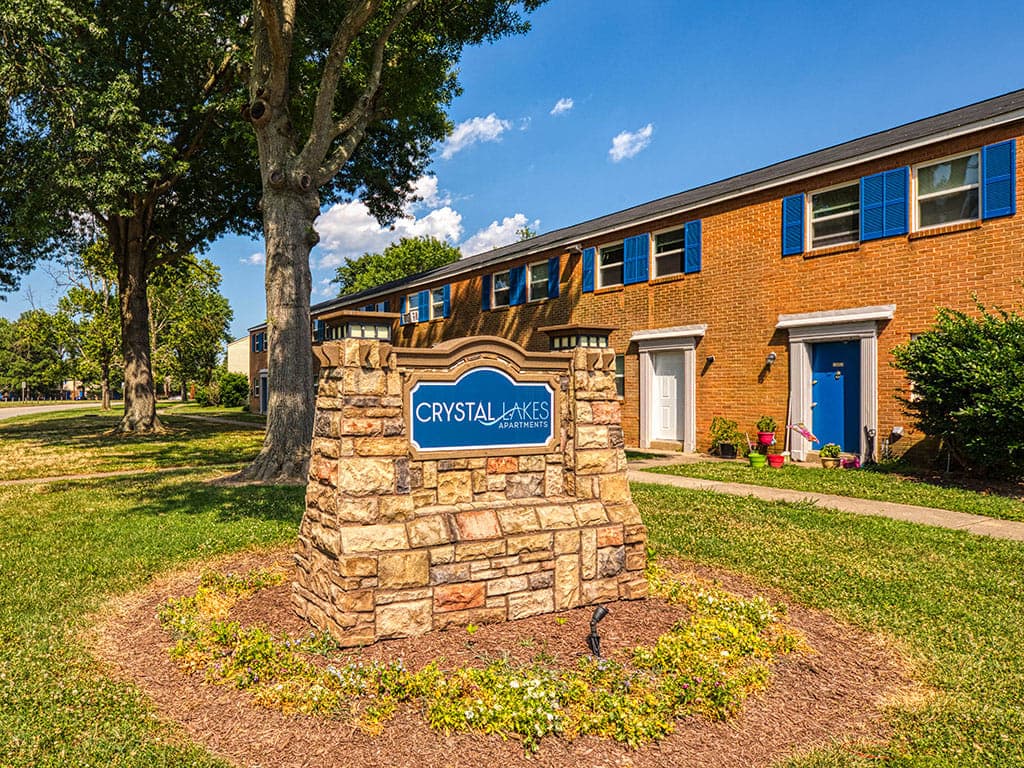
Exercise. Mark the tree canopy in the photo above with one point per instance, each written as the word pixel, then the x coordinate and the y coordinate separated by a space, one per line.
pixel 406 257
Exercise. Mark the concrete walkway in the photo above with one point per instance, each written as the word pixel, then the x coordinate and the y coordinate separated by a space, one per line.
pixel 943 518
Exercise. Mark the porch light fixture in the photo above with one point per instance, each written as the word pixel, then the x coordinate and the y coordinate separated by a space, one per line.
pixel 593 639
pixel 772 357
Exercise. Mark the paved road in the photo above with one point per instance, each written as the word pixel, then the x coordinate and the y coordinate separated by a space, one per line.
pixel 24 410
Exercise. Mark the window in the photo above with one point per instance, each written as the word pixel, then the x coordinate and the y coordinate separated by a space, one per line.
pixel 380 306
pixel 668 253
pixel 620 375
pixel 948 191
pixel 412 308
pixel 437 304
pixel 357 330
pixel 500 289
pixel 538 281
pixel 610 271
pixel 835 216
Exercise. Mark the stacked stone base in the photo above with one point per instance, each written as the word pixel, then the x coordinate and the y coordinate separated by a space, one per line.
pixel 470 563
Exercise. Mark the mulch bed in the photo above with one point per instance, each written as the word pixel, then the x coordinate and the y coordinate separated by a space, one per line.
pixel 835 694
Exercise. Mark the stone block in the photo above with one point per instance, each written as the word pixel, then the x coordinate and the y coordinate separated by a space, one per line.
pixel 323 470
pixel 428 531
pixel 326 447
pixel 524 486
pixel 425 498
pixel 454 487
pixel 403 570
pixel 588 553
pixel 476 550
pixel 608 412
pixel 449 572
pixel 364 381
pixel 623 513
pixel 554 480
pixel 567 542
pixel 356 565
pixel 596 460
pixel 518 520
pixel 556 516
pixel 479 480
pixel 397 508
pixel 635 533
pixel 361 509
pixel 611 561
pixel 442 555
pixel 459 597
pixel 496 482
pixel 448 620
pixel 478 524
pixel 536 542
pixel 381 446
pixel 590 513
pixel 634 589
pixel 599 591
pixel 541 580
pixel 591 436
pixel 373 538
pixel 609 536
pixel 360 426
pixel 636 557
pixel 506 585
pixel 523 568
pixel 408 619
pixel 615 489
pixel 502 465
pixel 366 477
pixel 526 604
pixel 388 596
pixel 429 474
pixel 352 601
pixel 531 463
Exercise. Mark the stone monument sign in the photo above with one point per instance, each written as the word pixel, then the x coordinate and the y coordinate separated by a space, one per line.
pixel 472 482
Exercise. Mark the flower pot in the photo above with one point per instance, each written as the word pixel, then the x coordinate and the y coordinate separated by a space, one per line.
pixel 757 459
pixel 766 438
pixel 776 460
pixel 830 462
pixel 727 450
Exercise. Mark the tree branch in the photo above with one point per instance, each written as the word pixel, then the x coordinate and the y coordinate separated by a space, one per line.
pixel 324 129
pixel 279 26
pixel 344 150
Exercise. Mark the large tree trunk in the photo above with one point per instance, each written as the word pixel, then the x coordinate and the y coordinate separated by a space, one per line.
pixel 139 391
pixel 288 216
pixel 105 386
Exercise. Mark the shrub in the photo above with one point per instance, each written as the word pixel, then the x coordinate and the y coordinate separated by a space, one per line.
pixel 725 430
pixel 766 424
pixel 829 451
pixel 208 395
pixel 967 376
pixel 234 389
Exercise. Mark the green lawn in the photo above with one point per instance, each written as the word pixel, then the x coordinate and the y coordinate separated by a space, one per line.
pixel 194 409
pixel 866 483
pixel 67 443
pixel 955 600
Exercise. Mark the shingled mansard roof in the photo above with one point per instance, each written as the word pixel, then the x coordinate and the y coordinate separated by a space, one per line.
pixel 985 114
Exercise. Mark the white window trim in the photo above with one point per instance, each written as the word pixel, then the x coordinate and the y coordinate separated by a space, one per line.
pixel 598 282
pixel 915 214
pixel 809 216
pixel 412 304
pixel 529 282
pixel 440 314
pixel 494 283
pixel 654 252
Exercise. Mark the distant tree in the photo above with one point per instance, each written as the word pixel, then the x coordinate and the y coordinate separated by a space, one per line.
pixel 92 307
pixel 346 100
pixel 406 257
pixel 122 117
pixel 968 388
pixel 525 233
pixel 36 351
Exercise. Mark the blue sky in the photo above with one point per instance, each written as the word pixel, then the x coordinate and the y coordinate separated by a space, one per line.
pixel 655 97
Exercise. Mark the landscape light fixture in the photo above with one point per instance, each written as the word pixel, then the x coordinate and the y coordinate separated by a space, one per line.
pixel 593 639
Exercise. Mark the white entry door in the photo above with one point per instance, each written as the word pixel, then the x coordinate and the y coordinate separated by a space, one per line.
pixel 668 396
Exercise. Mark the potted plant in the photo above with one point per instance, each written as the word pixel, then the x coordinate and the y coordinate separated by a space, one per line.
pixel 725 437
pixel 766 427
pixel 829 455
pixel 775 457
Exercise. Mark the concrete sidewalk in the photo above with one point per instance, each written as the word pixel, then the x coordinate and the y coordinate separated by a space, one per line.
pixel 943 518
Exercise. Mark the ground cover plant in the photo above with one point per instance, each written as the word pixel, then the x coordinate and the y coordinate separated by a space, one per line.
pixel 884 483
pixel 954 601
pixel 720 650
pixel 75 442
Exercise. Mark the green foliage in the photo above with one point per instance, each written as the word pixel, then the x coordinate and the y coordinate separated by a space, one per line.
pixel 725 430
pixel 968 387
pixel 703 666
pixel 226 389
pixel 829 451
pixel 37 349
pixel 766 424
pixel 408 256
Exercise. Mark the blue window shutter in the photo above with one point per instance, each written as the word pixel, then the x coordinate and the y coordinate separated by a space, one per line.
pixel 423 301
pixel 636 257
pixel 252 343
pixel 793 225
pixel 384 306
pixel 872 207
pixel 401 308
pixel 318 330
pixel 999 171
pixel 553 263
pixel 692 234
pixel 896 187
pixel 517 286
pixel 485 293
pixel 588 269
pixel 446 295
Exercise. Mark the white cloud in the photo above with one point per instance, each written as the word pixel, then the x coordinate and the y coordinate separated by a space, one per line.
pixel 497 234
pixel 627 145
pixel 324 289
pixel 255 259
pixel 473 130
pixel 562 106
pixel 348 230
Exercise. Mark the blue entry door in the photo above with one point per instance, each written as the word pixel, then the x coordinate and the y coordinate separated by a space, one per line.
pixel 835 394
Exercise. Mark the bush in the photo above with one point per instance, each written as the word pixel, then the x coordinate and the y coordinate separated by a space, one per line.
pixel 208 395
pixel 967 376
pixel 234 389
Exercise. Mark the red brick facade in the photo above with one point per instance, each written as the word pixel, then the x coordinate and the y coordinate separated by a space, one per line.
pixel 745 284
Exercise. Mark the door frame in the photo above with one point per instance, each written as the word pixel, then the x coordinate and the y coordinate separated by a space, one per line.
pixel 264 392
pixel 805 329
pixel 680 338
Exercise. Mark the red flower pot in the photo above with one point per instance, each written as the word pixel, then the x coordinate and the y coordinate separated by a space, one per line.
pixel 776 460
pixel 765 438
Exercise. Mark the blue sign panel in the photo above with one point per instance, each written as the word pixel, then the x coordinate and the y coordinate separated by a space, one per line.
pixel 485 408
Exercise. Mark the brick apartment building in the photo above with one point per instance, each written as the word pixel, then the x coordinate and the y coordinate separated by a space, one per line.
pixel 781 291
